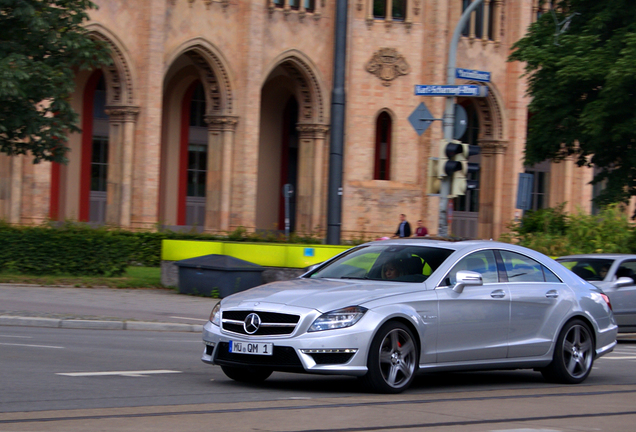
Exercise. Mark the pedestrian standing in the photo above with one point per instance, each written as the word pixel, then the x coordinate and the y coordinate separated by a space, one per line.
pixel 404 228
pixel 421 230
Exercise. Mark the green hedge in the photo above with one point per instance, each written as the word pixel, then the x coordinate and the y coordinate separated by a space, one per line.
pixel 555 233
pixel 79 250
pixel 68 251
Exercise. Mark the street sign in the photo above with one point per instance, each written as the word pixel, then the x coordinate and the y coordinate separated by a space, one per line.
pixel 421 118
pixel 470 74
pixel 468 90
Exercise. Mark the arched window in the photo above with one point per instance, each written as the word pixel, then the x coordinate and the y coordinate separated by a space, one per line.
pixel 379 9
pixel 484 23
pixel 398 10
pixel 383 128
pixel 308 5
pixel 94 159
pixel 394 10
pixel 194 158
pixel 99 157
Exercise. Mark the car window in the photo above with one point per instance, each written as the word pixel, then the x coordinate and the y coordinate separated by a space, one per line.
pixel 590 269
pixel 549 275
pixel 520 268
pixel 396 263
pixel 482 262
pixel 627 269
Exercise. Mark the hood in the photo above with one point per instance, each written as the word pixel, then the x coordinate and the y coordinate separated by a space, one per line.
pixel 323 295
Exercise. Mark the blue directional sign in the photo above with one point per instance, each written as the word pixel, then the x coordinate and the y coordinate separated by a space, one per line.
pixel 470 74
pixel 421 118
pixel 451 90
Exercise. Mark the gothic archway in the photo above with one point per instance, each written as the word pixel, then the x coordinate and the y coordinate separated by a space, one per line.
pixel 107 135
pixel 197 65
pixel 483 209
pixel 291 145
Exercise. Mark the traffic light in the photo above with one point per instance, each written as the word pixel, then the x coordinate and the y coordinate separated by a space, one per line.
pixel 454 162
pixel 434 183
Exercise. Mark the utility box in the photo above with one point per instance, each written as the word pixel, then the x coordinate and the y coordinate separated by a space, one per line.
pixel 217 275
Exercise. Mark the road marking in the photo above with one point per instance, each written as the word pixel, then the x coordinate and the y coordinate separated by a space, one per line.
pixel 118 373
pixel 17 337
pixel 192 319
pixel 32 346
pixel 621 358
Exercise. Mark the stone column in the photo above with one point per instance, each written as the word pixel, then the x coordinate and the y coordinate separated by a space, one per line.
pixel 121 143
pixel 218 187
pixel 309 202
pixel 491 188
pixel 15 189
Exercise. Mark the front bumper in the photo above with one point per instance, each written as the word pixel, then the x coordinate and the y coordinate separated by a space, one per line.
pixel 338 352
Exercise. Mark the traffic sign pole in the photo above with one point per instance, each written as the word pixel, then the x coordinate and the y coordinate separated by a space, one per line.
pixel 449 114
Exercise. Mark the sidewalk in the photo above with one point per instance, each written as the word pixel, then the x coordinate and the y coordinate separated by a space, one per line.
pixel 111 309
pixel 102 308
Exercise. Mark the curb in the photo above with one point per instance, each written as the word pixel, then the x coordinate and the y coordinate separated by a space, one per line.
pixel 10 320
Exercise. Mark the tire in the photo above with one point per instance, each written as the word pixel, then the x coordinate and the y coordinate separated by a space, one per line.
pixel 573 355
pixel 393 359
pixel 247 374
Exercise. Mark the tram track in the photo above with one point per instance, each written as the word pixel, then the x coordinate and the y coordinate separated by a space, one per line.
pixel 285 406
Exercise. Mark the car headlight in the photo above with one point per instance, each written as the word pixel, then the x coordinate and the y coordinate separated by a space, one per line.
pixel 215 315
pixel 341 318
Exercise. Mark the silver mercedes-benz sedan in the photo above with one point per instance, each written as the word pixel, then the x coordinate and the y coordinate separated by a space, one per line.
pixel 615 275
pixel 384 310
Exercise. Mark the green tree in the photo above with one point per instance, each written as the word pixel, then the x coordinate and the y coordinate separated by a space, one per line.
pixel 581 68
pixel 42 46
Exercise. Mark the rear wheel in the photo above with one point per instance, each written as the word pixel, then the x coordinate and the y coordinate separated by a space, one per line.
pixel 247 374
pixel 393 358
pixel 573 355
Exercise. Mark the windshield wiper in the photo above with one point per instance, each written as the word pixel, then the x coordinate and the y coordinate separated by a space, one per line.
pixel 354 277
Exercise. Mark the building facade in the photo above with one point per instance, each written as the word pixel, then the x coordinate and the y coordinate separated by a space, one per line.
pixel 210 107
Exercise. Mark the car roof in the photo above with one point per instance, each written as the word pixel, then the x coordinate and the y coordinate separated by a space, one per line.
pixel 598 256
pixel 449 244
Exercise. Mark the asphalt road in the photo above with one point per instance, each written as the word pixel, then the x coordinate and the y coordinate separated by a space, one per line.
pixel 60 378
pixel 76 380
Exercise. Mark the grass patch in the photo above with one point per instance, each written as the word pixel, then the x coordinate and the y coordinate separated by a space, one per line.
pixel 134 277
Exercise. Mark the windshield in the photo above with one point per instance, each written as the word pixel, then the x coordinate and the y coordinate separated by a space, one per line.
pixel 385 262
pixel 590 269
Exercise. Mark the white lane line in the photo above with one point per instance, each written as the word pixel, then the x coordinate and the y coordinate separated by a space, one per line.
pixel 32 346
pixel 118 373
pixel 191 319
pixel 17 337
pixel 621 358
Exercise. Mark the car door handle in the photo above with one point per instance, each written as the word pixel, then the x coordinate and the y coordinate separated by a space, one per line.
pixel 498 293
pixel 552 294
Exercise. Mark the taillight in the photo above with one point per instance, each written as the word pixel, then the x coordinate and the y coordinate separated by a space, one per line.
pixel 607 300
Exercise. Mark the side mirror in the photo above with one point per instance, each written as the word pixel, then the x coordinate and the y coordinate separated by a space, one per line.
pixel 623 282
pixel 467 278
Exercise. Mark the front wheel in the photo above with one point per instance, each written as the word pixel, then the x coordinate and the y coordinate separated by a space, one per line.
pixel 573 355
pixel 393 358
pixel 247 374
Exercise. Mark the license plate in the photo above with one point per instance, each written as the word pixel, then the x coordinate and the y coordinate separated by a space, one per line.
pixel 251 348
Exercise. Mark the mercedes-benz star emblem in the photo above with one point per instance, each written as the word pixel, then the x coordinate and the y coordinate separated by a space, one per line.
pixel 252 323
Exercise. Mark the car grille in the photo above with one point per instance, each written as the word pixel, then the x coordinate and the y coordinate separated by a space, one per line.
pixel 272 323
pixel 282 358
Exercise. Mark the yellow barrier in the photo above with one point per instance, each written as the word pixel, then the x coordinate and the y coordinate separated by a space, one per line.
pixel 264 254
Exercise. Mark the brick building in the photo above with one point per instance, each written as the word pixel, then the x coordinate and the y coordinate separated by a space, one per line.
pixel 211 106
